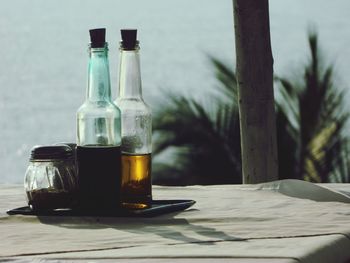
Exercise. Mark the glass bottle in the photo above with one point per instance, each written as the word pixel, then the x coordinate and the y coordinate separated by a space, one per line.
pixel 136 186
pixel 98 133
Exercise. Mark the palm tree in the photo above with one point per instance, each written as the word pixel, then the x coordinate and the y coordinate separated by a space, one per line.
pixel 310 123
pixel 206 137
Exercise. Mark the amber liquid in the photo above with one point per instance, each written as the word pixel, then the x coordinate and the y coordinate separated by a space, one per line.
pixel 136 187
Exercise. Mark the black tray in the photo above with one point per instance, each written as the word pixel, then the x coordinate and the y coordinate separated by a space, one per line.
pixel 159 207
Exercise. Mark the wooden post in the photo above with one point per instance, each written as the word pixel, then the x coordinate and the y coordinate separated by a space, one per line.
pixel 256 99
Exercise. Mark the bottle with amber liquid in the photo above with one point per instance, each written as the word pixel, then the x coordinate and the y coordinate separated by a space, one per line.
pixel 98 134
pixel 136 184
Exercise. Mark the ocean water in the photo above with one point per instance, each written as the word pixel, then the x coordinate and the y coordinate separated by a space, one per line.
pixel 43 50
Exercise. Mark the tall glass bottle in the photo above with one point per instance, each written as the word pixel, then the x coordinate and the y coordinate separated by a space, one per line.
pixel 136 187
pixel 99 133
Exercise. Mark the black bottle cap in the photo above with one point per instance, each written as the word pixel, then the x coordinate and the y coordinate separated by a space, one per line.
pixel 129 38
pixel 60 152
pixel 98 37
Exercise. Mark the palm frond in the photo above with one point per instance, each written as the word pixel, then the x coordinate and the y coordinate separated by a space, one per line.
pixel 321 119
pixel 212 139
pixel 227 78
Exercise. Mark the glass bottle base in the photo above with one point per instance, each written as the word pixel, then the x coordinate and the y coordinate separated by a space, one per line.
pixel 136 203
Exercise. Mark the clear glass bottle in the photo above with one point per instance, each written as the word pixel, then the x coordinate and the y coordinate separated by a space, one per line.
pixel 99 134
pixel 136 187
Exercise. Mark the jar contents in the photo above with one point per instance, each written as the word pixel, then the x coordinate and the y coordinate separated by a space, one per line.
pixel 50 198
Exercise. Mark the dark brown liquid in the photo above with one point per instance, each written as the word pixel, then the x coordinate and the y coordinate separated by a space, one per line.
pixel 136 188
pixel 49 198
pixel 99 173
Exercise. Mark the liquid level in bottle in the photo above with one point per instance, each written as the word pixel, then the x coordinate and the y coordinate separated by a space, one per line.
pixel 99 173
pixel 136 187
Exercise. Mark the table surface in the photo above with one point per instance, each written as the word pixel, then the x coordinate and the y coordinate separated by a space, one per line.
pixel 229 223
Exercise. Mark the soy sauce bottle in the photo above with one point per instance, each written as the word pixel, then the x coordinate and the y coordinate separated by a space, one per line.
pixel 136 184
pixel 98 134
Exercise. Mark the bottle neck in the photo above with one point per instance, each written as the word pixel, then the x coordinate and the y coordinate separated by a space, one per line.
pixel 99 87
pixel 129 75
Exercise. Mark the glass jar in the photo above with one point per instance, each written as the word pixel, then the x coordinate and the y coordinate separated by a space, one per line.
pixel 50 181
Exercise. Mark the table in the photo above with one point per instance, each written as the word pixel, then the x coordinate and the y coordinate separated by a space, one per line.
pixel 229 223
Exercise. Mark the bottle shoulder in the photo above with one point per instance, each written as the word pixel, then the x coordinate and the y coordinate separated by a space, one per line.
pixel 131 104
pixel 99 108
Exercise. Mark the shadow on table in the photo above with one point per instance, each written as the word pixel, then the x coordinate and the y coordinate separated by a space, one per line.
pixel 165 226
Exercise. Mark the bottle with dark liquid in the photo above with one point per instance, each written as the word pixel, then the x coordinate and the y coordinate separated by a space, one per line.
pixel 136 186
pixel 99 134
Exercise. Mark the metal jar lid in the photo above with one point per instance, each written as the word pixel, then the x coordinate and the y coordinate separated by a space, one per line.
pixel 56 152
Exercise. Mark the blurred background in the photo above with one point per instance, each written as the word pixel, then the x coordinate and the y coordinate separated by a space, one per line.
pixel 43 68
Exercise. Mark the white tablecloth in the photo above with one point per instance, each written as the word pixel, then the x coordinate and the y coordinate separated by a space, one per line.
pixel 266 223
